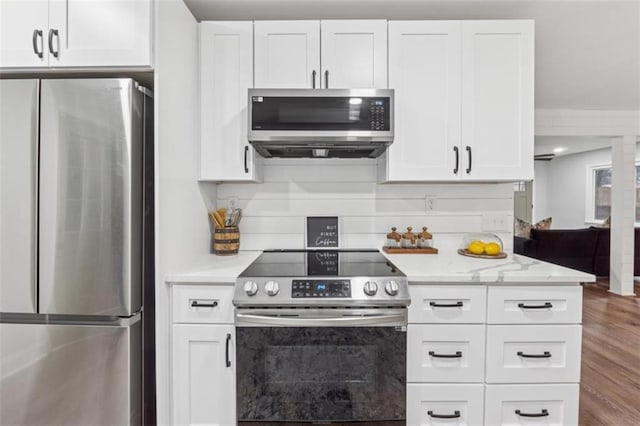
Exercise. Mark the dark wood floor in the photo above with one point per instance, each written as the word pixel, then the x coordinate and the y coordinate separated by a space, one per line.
pixel 610 382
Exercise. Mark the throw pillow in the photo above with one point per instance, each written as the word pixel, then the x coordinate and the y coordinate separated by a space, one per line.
pixel 521 228
pixel 543 224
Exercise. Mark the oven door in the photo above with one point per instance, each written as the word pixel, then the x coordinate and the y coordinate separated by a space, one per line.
pixel 321 365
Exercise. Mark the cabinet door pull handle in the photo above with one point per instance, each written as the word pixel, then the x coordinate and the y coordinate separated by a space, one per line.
pixel 446 305
pixel 326 79
pixel 54 32
pixel 197 304
pixel 457 151
pixel 227 350
pixel 458 354
pixel 455 415
pixel 470 158
pixel 246 154
pixel 37 34
pixel 313 79
pixel 546 305
pixel 545 354
pixel 543 413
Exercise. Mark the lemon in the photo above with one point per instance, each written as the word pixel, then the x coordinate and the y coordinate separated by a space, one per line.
pixel 492 249
pixel 476 247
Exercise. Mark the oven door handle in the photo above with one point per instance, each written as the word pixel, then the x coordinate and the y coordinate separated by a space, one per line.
pixel 374 320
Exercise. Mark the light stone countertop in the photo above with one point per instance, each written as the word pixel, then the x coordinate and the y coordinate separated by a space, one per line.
pixel 446 267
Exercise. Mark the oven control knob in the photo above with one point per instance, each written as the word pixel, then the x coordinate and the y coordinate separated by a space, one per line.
pixel 370 288
pixel 272 288
pixel 391 287
pixel 251 288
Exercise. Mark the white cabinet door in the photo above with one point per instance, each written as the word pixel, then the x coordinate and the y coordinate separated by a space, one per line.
pixel 100 33
pixel 497 100
pixel 287 54
pixel 203 383
pixel 445 353
pixel 354 54
pixel 548 405
pixel 445 404
pixel 23 33
pixel 424 70
pixel 226 74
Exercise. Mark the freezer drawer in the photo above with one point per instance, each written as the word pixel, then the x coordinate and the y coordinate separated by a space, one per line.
pixel 18 186
pixel 70 374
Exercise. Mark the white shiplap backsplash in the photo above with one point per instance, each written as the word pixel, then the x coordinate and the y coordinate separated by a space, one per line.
pixel 274 211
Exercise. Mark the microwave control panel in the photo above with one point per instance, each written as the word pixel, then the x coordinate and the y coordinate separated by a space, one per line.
pixel 320 288
pixel 377 114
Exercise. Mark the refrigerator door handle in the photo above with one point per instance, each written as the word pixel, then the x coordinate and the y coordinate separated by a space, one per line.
pixel 228 363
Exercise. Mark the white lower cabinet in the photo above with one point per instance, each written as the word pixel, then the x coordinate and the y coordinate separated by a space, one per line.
pixel 494 355
pixel 533 353
pixel 438 404
pixel 549 405
pixel 203 374
pixel 445 353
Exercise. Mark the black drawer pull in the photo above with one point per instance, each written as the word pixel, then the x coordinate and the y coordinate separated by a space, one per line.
pixel 446 305
pixel 197 304
pixel 456 151
pixel 546 305
pixel 543 413
pixel 545 354
pixel 455 415
pixel 226 355
pixel 458 354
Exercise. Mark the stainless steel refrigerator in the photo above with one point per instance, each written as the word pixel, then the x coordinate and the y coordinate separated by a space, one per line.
pixel 76 253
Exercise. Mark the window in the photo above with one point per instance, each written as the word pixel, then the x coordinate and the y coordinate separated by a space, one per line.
pixel 599 201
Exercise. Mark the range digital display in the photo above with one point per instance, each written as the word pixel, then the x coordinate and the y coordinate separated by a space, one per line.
pixel 320 288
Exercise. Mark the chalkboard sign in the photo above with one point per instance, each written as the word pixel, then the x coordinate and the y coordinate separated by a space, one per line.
pixel 322 232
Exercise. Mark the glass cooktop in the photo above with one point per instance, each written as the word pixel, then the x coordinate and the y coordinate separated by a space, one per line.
pixel 339 263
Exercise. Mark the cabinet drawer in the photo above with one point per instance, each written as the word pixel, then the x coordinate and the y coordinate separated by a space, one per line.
pixel 533 354
pixel 447 304
pixel 530 305
pixel 553 404
pixel 445 353
pixel 460 405
pixel 202 304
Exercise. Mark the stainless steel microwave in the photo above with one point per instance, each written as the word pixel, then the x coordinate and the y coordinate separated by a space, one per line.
pixel 344 123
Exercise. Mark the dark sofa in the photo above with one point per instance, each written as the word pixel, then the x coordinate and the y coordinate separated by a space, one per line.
pixel 585 249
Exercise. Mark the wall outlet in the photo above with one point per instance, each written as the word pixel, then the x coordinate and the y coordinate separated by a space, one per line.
pixel 430 203
pixel 497 222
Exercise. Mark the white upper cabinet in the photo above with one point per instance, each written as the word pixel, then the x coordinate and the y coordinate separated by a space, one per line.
pixel 23 31
pixel 75 33
pixel 354 54
pixel 498 99
pixel 321 54
pixel 287 54
pixel 464 101
pixel 226 74
pixel 424 70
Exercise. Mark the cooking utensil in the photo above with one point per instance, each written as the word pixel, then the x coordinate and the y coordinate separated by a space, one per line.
pixel 235 217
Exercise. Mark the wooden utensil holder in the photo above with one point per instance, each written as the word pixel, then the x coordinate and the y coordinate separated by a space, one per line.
pixel 226 241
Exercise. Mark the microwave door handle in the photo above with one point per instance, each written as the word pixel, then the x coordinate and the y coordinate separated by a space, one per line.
pixel 311 321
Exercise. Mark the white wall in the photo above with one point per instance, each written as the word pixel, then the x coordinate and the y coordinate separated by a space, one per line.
pixel 274 212
pixel 182 232
pixel 565 191
pixel 540 182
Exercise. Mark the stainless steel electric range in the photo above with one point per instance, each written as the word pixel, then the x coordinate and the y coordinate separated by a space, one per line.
pixel 321 338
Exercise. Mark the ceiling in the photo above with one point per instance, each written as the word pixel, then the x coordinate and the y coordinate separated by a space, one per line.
pixel 587 52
